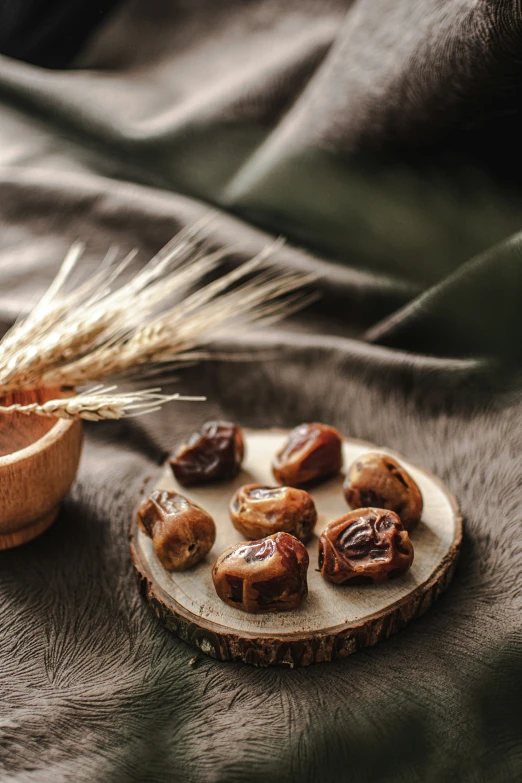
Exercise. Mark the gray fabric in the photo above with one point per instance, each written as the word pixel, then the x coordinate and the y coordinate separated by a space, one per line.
pixel 250 105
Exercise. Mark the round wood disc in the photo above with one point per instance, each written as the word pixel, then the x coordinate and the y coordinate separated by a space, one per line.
pixel 334 621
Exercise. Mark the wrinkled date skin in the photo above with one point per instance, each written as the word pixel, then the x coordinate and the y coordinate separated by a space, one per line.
pixel 214 453
pixel 312 453
pixel 182 533
pixel 263 576
pixel 258 511
pixel 365 546
pixel 379 481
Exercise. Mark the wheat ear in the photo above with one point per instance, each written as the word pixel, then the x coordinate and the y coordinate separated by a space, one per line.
pixel 103 328
pixel 97 404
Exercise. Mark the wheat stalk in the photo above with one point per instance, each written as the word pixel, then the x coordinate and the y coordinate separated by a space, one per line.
pixel 98 404
pixel 103 327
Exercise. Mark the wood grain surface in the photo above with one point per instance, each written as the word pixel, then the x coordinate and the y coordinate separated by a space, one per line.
pixel 334 621
pixel 39 458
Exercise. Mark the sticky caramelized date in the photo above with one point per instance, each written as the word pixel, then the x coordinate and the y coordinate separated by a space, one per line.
pixel 263 576
pixel 258 511
pixel 214 453
pixel 182 533
pixel 367 545
pixel 312 453
pixel 378 480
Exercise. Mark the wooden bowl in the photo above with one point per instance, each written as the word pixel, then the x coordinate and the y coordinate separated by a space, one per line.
pixel 39 459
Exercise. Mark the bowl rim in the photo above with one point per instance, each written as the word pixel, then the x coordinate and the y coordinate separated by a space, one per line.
pixel 57 431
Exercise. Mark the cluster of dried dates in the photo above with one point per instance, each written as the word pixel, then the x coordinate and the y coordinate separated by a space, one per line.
pixel 268 572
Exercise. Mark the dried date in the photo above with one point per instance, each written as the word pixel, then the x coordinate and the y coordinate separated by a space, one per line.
pixel 367 545
pixel 214 453
pixel 182 533
pixel 263 576
pixel 378 480
pixel 258 511
pixel 312 453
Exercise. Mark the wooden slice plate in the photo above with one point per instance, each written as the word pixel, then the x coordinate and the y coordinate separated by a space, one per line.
pixel 334 621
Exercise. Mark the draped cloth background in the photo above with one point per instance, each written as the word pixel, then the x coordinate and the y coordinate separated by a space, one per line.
pixel 383 139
